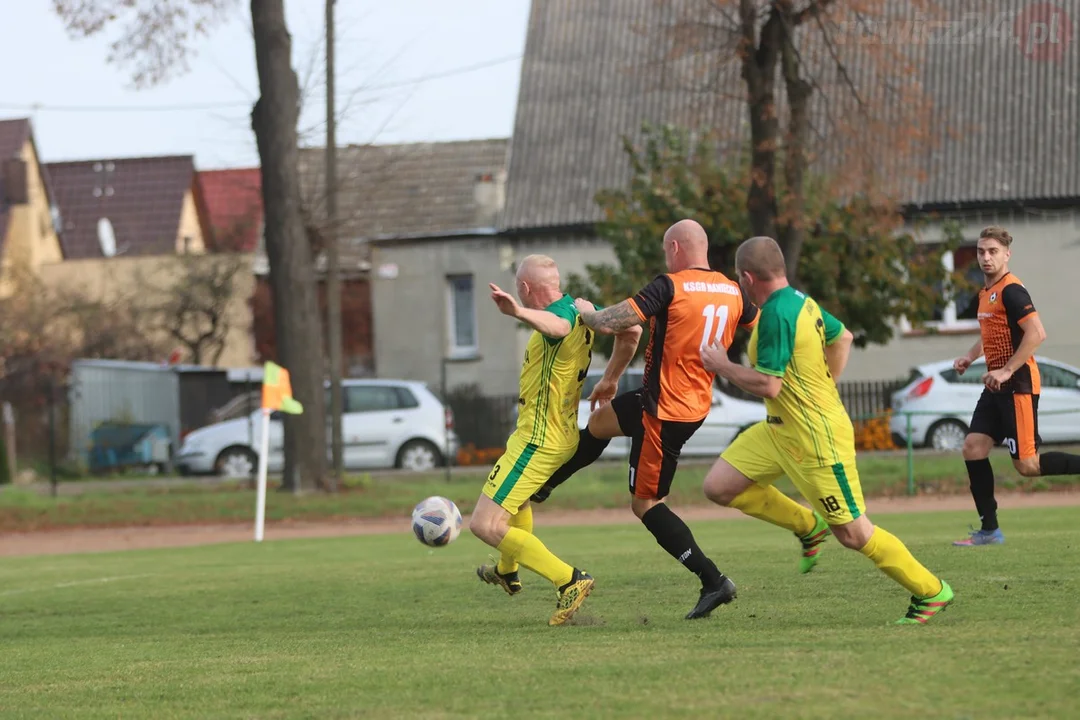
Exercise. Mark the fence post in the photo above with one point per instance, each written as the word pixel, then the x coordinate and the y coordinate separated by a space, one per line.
pixel 910 458
pixel 9 441
pixel 52 436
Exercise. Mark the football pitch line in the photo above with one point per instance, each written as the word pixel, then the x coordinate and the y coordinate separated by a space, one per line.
pixel 73 583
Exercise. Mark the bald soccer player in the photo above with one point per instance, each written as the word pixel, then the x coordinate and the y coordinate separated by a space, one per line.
pixel 687 308
pixel 557 359
pixel 797 352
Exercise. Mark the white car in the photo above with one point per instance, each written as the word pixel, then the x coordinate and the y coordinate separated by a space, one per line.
pixel 728 417
pixel 385 424
pixel 941 402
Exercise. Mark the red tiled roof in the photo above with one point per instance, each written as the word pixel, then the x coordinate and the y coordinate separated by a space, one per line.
pixel 13 135
pixel 231 205
pixel 142 198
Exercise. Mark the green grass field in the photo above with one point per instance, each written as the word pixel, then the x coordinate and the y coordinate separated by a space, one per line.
pixel 394 494
pixel 383 627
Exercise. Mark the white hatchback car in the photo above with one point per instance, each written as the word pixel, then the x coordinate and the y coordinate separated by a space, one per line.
pixel 944 401
pixel 385 424
pixel 728 417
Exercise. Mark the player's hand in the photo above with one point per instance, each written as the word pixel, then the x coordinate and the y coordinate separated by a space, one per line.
pixel 714 358
pixel 961 364
pixel 584 306
pixel 506 302
pixel 996 378
pixel 603 393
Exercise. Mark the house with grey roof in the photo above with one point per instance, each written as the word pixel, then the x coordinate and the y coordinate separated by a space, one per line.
pixel 424 218
pixel 1007 151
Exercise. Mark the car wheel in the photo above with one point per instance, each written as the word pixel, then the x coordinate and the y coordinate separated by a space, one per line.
pixel 418 455
pixel 946 435
pixel 236 462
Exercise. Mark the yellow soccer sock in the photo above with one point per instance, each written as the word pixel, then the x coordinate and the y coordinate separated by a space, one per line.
pixel 522 521
pixel 527 549
pixel 773 506
pixel 894 559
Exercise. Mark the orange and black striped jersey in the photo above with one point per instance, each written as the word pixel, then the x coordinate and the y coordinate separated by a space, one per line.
pixel 1003 309
pixel 687 311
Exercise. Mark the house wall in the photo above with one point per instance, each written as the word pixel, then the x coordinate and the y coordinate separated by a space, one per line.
pixel 31 238
pixel 190 227
pixel 411 300
pixel 1045 255
pixel 111 279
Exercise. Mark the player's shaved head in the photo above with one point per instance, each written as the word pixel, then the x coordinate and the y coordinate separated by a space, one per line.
pixel 762 257
pixel 686 245
pixel 538 271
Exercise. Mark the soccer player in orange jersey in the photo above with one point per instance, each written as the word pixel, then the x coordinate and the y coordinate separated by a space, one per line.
pixel 1008 410
pixel 688 308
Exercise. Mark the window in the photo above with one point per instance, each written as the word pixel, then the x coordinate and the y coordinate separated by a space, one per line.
pixel 1053 376
pixel 960 312
pixel 371 398
pixel 462 311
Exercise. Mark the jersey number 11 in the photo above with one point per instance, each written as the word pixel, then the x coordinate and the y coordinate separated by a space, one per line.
pixel 720 314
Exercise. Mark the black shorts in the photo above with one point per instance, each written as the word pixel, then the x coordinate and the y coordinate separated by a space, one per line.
pixel 655 445
pixel 1011 419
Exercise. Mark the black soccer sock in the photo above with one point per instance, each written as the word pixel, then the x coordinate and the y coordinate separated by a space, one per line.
pixel 981 475
pixel 1059 463
pixel 673 535
pixel 589 448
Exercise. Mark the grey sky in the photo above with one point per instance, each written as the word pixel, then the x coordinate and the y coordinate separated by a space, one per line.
pixel 379 44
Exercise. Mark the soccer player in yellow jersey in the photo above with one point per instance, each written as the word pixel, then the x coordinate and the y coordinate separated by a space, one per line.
pixel 557 359
pixel 797 352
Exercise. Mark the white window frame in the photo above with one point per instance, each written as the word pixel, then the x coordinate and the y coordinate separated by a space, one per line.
pixel 949 320
pixel 454 350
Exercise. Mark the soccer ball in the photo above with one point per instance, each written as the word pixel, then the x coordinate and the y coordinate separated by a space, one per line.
pixel 436 521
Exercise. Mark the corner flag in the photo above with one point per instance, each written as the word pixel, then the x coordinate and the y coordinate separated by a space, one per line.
pixel 277 390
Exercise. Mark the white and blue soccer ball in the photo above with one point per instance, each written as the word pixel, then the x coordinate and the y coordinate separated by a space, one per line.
pixel 436 521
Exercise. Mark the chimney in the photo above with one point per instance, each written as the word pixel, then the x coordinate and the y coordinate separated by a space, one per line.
pixel 489 194
pixel 14 182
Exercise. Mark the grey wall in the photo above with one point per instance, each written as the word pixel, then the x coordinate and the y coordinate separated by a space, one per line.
pixel 410 310
pixel 1045 256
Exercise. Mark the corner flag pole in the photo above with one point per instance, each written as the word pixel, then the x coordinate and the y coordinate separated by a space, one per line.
pixel 264 452
pixel 276 395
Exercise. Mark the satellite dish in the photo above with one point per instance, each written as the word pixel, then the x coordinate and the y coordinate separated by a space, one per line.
pixel 106 237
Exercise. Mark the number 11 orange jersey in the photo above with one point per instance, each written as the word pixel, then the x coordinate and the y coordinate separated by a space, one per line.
pixel 687 310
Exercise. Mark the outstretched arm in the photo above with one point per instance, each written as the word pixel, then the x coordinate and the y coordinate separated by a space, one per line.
pixel 715 359
pixel 546 323
pixel 610 320
pixel 626 344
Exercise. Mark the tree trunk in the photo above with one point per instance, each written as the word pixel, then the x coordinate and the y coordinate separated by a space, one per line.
pixel 793 228
pixel 296 315
pixel 759 71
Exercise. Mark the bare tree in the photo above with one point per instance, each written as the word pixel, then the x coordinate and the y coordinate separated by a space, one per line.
pixel 156 40
pixel 812 95
pixel 195 308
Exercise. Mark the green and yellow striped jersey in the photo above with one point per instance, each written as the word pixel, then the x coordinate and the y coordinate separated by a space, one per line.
pixel 807 417
pixel 551 380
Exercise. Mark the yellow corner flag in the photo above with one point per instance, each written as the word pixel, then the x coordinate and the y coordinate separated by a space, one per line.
pixel 277 390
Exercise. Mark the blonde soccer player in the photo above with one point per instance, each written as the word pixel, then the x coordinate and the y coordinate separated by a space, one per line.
pixel 557 358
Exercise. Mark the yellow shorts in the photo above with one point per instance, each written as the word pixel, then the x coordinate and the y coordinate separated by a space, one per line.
pixel 833 490
pixel 521 471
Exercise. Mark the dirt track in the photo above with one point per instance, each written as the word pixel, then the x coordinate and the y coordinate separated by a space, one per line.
pixel 109 539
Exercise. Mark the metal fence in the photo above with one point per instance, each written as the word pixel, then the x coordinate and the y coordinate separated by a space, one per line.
pixel 485 421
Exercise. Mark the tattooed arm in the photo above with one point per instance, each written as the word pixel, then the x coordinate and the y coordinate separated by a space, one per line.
pixel 610 320
pixel 651 301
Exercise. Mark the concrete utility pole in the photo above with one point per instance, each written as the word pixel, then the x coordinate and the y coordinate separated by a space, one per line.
pixel 333 259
